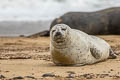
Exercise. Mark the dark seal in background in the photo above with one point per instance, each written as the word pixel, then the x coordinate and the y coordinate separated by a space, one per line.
pixel 101 22
pixel 106 21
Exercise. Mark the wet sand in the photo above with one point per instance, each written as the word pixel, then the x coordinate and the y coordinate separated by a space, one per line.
pixel 29 58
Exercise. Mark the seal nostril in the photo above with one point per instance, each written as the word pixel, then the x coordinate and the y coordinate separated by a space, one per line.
pixel 57 34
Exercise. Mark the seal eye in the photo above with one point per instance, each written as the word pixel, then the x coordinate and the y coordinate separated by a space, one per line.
pixel 63 29
pixel 53 31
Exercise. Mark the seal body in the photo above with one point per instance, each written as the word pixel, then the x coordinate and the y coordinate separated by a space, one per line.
pixel 69 47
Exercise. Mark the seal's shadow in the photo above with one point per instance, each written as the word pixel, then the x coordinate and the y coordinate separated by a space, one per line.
pixel 76 65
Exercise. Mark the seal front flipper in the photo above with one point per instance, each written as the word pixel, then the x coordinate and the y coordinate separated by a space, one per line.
pixel 112 54
pixel 95 53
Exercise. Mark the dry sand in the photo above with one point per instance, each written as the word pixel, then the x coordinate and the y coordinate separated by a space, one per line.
pixel 29 58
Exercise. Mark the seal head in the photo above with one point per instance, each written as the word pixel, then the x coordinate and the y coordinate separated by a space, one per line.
pixel 59 33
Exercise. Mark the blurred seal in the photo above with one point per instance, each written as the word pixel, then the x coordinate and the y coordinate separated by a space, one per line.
pixel 100 22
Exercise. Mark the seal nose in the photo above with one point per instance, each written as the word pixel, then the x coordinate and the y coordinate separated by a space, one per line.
pixel 57 34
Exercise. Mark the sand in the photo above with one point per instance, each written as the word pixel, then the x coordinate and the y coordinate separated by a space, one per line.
pixel 29 59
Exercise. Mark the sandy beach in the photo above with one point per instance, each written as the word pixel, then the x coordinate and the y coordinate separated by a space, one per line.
pixel 30 59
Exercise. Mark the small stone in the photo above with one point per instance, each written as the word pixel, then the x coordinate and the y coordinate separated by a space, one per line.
pixel 18 77
pixel 103 75
pixel 29 77
pixel 104 71
pixel 7 71
pixel 32 73
pixel 88 76
pixel 111 70
pixel 48 75
pixel 108 71
pixel 118 72
pixel 110 76
pixel 116 76
pixel 1 76
pixel 70 76
pixel 71 72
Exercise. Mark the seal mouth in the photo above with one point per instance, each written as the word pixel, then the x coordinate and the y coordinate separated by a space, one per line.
pixel 59 40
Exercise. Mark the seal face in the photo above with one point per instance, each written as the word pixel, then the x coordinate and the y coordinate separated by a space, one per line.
pixel 70 47
pixel 59 33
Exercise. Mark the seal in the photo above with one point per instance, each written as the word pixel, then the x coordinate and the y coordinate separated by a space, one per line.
pixel 100 22
pixel 74 47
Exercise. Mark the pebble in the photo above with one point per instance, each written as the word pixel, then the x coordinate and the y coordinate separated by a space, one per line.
pixel 18 77
pixel 71 76
pixel 1 76
pixel 71 72
pixel 111 70
pixel 48 75
pixel 87 76
pixel 103 75
pixel 29 77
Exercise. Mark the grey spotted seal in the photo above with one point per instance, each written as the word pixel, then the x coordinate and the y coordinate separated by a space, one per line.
pixel 73 47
